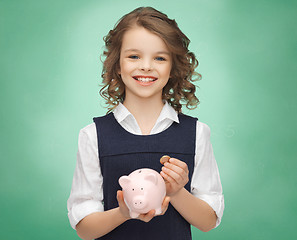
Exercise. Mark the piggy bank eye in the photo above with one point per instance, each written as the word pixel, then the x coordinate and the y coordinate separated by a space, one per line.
pixel 141 188
pixel 132 189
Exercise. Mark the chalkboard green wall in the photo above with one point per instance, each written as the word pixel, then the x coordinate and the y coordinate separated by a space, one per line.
pixel 50 70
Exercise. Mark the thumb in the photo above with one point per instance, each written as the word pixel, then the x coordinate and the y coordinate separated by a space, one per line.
pixel 122 205
pixel 120 196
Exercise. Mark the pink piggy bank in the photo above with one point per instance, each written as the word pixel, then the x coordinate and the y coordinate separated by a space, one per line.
pixel 144 190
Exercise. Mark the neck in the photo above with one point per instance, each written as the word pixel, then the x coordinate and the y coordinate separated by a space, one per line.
pixel 145 111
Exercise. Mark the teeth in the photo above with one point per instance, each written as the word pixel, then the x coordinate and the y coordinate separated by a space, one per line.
pixel 145 79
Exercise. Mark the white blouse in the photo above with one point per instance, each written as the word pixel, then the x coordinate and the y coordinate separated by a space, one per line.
pixel 86 195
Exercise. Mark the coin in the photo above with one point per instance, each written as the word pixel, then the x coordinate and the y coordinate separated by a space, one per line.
pixel 164 159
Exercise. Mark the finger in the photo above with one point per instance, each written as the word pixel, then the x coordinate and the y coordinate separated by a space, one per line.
pixel 175 176
pixel 120 198
pixel 167 177
pixel 166 201
pixel 182 172
pixel 165 205
pixel 148 216
pixel 179 163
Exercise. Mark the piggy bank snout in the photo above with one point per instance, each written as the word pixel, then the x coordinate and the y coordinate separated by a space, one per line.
pixel 139 202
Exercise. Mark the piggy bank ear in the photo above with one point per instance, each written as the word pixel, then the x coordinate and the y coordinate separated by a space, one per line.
pixel 124 181
pixel 151 178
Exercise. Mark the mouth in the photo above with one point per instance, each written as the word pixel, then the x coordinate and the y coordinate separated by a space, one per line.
pixel 145 79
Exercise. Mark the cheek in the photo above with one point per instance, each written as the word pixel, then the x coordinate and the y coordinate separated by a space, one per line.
pixel 126 66
pixel 166 70
pixel 120 66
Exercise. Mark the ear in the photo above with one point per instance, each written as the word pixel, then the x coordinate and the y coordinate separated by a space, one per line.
pixel 124 181
pixel 151 178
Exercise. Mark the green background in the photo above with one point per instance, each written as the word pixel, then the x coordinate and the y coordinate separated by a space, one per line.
pixel 50 71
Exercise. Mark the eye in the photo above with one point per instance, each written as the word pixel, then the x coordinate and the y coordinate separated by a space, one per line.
pixel 141 188
pixel 132 189
pixel 133 57
pixel 160 59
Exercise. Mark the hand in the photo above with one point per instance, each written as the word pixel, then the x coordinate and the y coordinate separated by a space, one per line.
pixel 176 175
pixel 143 217
pixel 122 205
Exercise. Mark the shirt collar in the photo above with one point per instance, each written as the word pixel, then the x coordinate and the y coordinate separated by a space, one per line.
pixel 121 112
pixel 168 112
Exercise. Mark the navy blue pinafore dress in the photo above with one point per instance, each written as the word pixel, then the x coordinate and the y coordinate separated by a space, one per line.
pixel 121 152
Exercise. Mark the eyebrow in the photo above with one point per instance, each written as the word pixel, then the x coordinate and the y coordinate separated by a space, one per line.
pixel 136 50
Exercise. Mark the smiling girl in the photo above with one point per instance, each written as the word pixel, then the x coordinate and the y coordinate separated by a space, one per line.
pixel 147 73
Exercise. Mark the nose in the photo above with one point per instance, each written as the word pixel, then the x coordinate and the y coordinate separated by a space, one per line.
pixel 146 65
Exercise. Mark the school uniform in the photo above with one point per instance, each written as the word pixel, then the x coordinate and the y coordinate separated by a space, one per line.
pixel 113 146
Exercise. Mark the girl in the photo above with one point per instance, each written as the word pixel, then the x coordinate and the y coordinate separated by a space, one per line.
pixel 147 73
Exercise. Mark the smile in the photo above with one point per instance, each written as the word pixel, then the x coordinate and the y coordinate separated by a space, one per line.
pixel 145 79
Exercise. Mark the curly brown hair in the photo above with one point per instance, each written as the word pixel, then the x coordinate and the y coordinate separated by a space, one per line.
pixel 179 90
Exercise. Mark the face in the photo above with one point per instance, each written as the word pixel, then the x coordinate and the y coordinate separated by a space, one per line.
pixel 145 64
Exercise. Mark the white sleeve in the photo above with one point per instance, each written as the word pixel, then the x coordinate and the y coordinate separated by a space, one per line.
pixel 206 183
pixel 86 195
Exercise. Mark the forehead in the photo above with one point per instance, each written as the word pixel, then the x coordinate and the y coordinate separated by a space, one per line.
pixel 139 38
